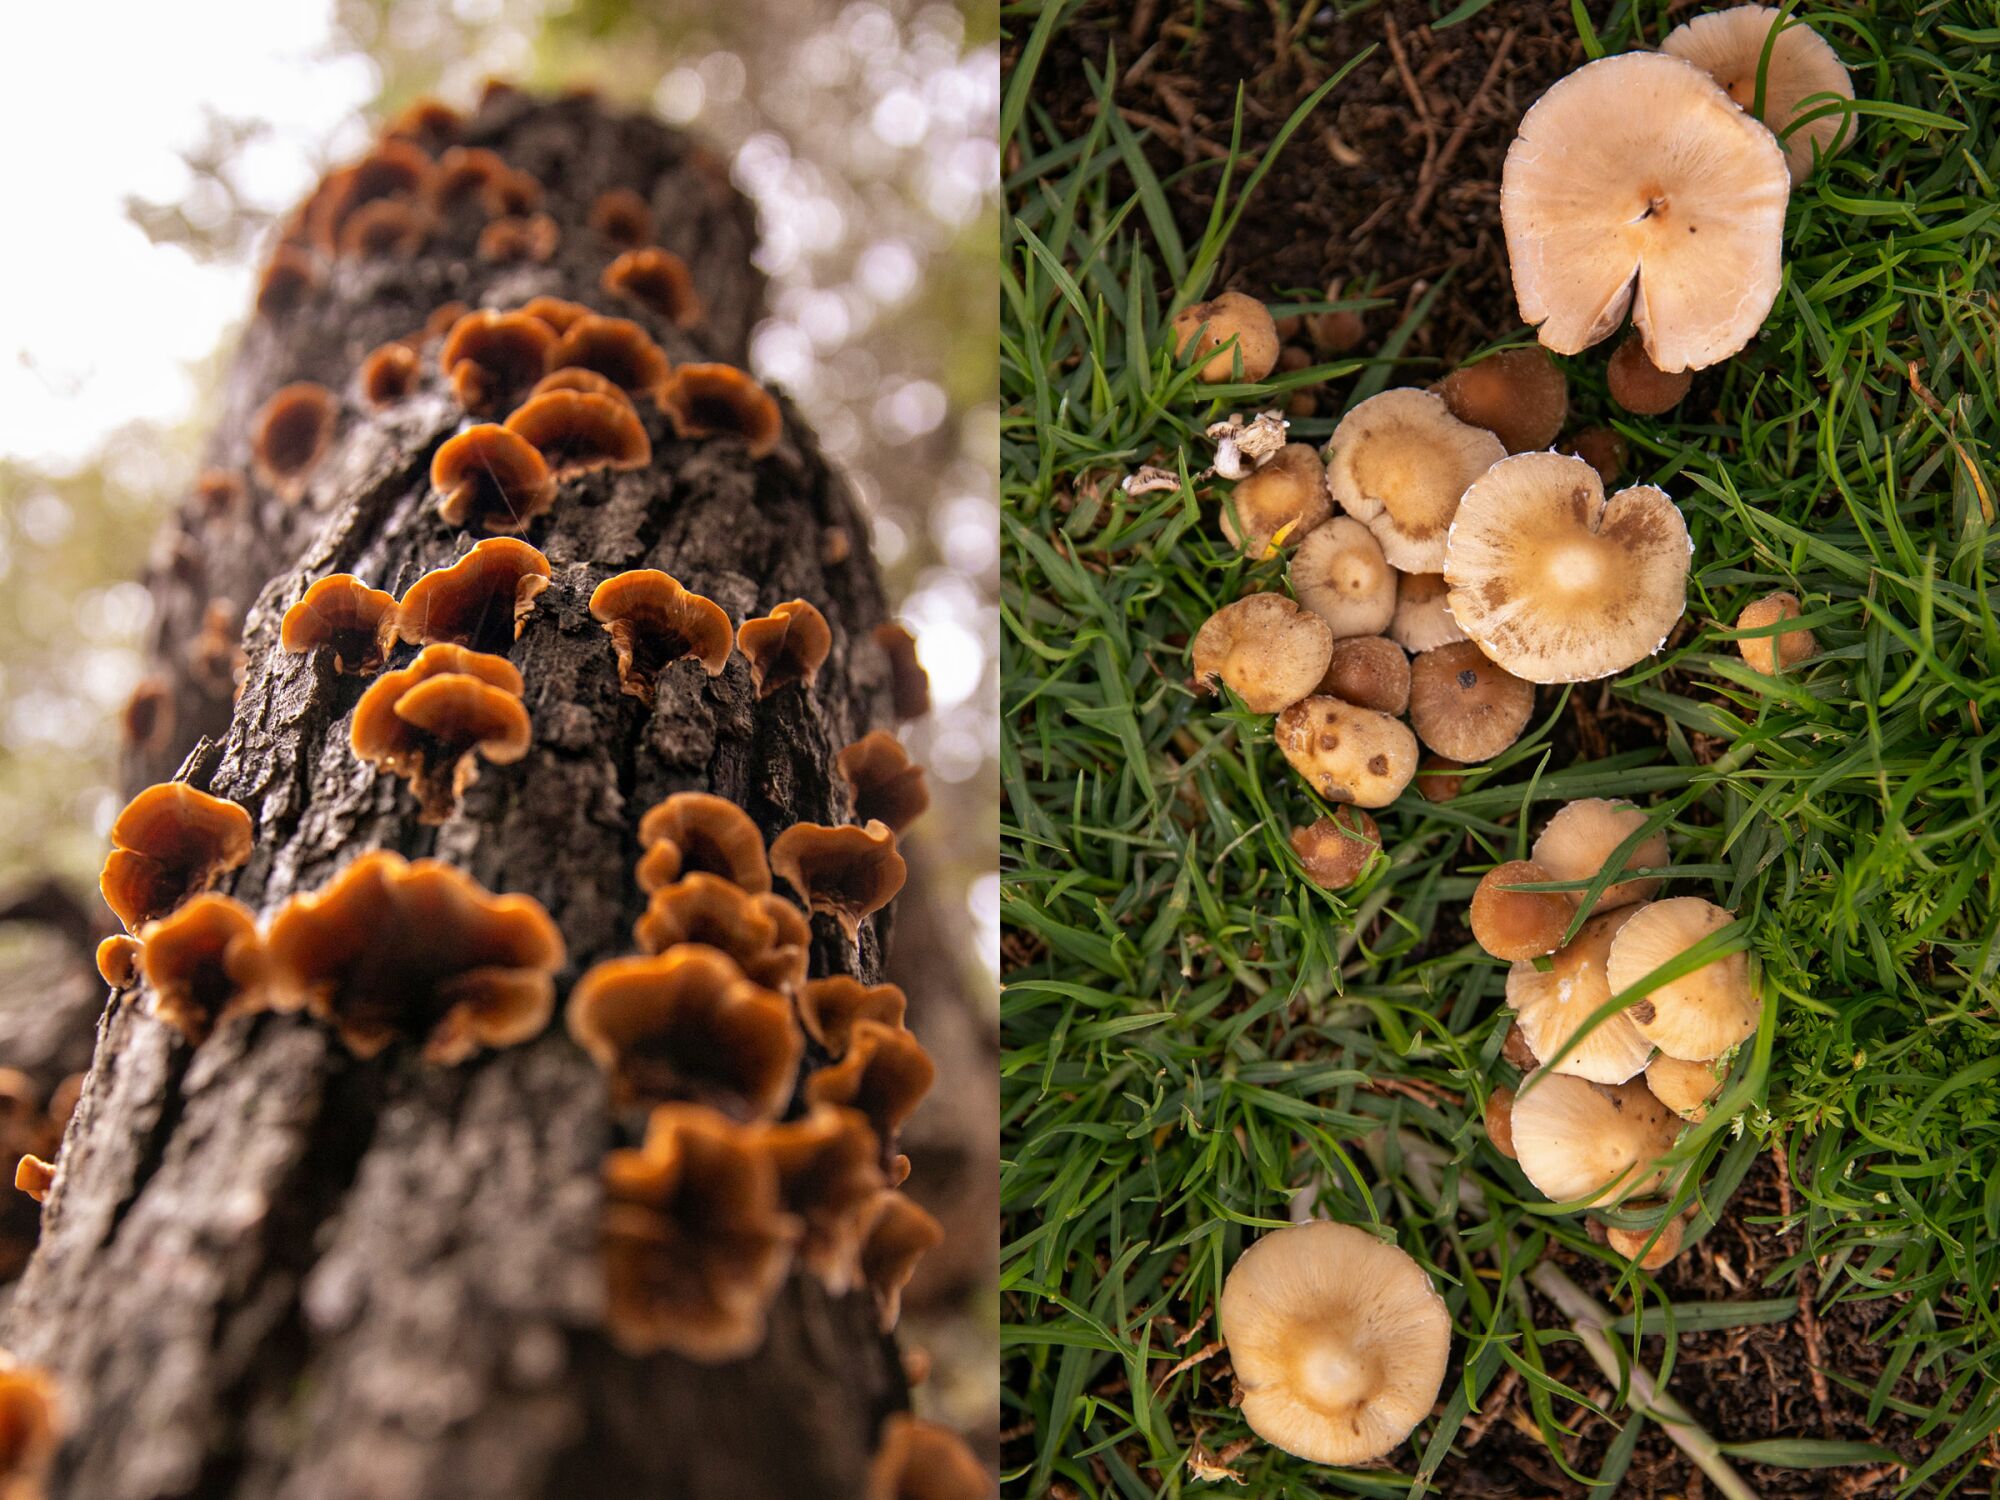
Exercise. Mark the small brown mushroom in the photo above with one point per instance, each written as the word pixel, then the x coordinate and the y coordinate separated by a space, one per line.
pixel 354 623
pixel 711 400
pixel 659 281
pixel 900 1234
pixel 1279 503
pixel 1631 1243
pixel 786 647
pixel 884 1074
pixel 146 722
pixel 394 170
pixel 700 833
pixel 1466 707
pixel 479 602
pixel 888 785
pixel 218 491
pixel 1268 650
pixel 432 721
pixel 1200 331
pixel 387 229
pixel 919 1460
pixel 1336 851
pixel 492 478
pixel 1640 386
pixel 204 963
pixel 118 961
pixel 909 683
pixel 844 872
pixel 1369 671
pixel 171 842
pixel 389 373
pixel 622 217
pixel 578 433
pixel 654 622
pixel 829 1008
pixel 514 238
pixel 829 1179
pixel 490 358
pixel 764 935
pixel 1604 449
pixel 1437 778
pixel 616 348
pixel 1513 924
pixel 1347 754
pixel 424 118
pixel 290 434
pixel 288 278
pixel 513 193
pixel 1771 654
pixel 1521 396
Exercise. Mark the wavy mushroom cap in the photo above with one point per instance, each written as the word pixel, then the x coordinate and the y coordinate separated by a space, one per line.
pixel 394 170
pixel 1347 754
pixel 290 435
pixel 1728 45
pixel 766 936
pixel 1640 386
pixel 390 373
pixel 919 1460
pixel 1551 1006
pixel 1521 396
pixel 844 872
pixel 1555 582
pixel 1423 619
pixel 787 647
pixel 1686 1088
pixel 657 280
pixel 356 623
pixel 558 312
pixel 1515 924
pixel 1279 503
pixel 654 622
pixel 709 835
pixel 713 400
pixel 1583 835
pixel 1591 1144
pixel 616 348
pixel 1635 182
pixel 387 228
pixel 1268 650
pixel 479 602
pixel 515 238
pixel 169 843
pixel 288 278
pixel 1336 851
pixel 432 737
pixel 1200 331
pixel 1466 707
pixel 491 478
pixel 465 174
pixel 578 433
pixel 491 357
pixel 575 378
pixel 424 118
pixel 888 786
pixel 909 683
pixel 1398 463
pixel 622 217
pixel 1338 1340
pixel 1771 654
pixel 829 1009
pixel 1699 1016
pixel 829 1179
pixel 900 1233
pixel 885 1074
pixel 1369 671
pixel 203 962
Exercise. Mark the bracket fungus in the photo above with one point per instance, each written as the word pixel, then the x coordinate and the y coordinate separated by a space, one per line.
pixel 1686 1088
pixel 1555 582
pixel 465 174
pixel 288 278
pixel 900 1233
pixel 909 683
pixel 764 935
pixel 1338 1340
pixel 701 833
pixel 29 1429
pixel 884 1073
pixel 479 602
pixel 1636 183
pixel 616 348
pixel 118 961
pixel 1771 654
pixel 492 478
pixel 1464 706
pixel 387 228
pixel 290 434
pixel 659 281
pixel 1640 386
pixel 653 622
pixel 1521 396
pixel 390 373
pixel 687 1025
pixel 695 1241
pixel 1368 671
pixel 558 312
pixel 1337 851
pixel 712 400
pixel 1699 1016
pixel 919 1460
pixel 1591 1144
pixel 844 872
pixel 146 722
pixel 1340 574
pixel 1398 463
pixel 354 623
pixel 1268 650
pixel 514 238
pixel 1347 754
pixel 573 378
pixel 490 358
pixel 579 433
pixel 1582 837
pixel 888 786
pixel 1802 84
pixel 424 118
pixel 1514 924
pixel 395 948
pixel 829 1179
pixel 829 1009
pixel 395 170
pixel 432 721
pixel 204 962
pixel 622 217
pixel 1552 1004
pixel 1281 502
pixel 786 647
pixel 1200 331
pixel 169 843
pixel 513 194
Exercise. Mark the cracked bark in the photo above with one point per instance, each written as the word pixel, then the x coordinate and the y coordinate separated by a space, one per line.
pixel 268 1269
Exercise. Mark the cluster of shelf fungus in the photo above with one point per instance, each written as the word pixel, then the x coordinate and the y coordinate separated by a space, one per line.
pixel 763 1103
pixel 1445 557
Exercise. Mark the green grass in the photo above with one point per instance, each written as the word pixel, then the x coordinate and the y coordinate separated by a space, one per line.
pixel 1194 1033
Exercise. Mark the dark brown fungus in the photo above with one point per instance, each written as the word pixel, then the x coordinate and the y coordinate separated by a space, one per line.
pixel 118 961
pixel 515 193
pixel 559 313
pixel 481 601
pixel 687 1025
pixel 919 1460
pixel 392 948
pixel 1337 850
pixel 170 842
pixel 1604 449
pixel 706 401
pixel 290 434
pixel 885 1074
pixel 830 1179
pixel 465 174
pixel 900 1233
pixel 424 119
pixel 701 833
pixel 513 238
pixel 788 646
pixel 204 963
pixel 764 935
pixel 389 373
pixel 653 622
pixel 434 720
pixel 616 348
pixel 146 723
pixel 1521 396
pixel 288 278
pixel 577 433
pixel 218 491
pixel 388 228
pixel 622 217
pixel 909 683
pixel 355 623
pixel 830 1007
pixel 491 478
pixel 490 358
pixel 844 872
pixel 888 785
pixel 659 281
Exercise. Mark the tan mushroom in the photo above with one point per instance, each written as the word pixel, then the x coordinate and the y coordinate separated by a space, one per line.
pixel 1583 835
pixel 1278 503
pixel 1347 754
pixel 1551 1006
pixel 1465 707
pixel 1398 463
pixel 1423 620
pixel 1639 385
pixel 1340 574
pixel 1632 1243
pixel 1588 1143
pixel 1219 320
pixel 1728 45
pixel 1269 651
pixel 1684 1087
pixel 1699 1016
pixel 1771 654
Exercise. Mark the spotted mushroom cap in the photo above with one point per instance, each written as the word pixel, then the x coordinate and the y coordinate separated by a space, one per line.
pixel 1699 1016
pixel 1269 651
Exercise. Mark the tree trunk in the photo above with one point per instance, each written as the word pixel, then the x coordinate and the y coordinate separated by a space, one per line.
pixel 270 1269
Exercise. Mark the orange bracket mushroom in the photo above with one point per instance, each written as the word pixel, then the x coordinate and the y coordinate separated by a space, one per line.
pixel 118 961
pixel 205 963
pixel 888 785
pixel 355 623
pixel 622 217
pixel 218 491
pixel 659 281
pixel 885 1075
pixel 288 278
pixel 35 1177
pixel 616 348
pixel 919 1460
pixel 465 174
pixel 389 373
pixel 442 319
pixel 171 842
pixel 576 433
pixel 424 118
pixel 480 602
pixel 516 238
pixel 391 948
pixel 290 434
pixel 387 228
pixel 706 401
pixel 829 1179
pixel 491 357
pixel 654 622
pixel 699 832
pixel 558 312
pixel 844 872
pixel 766 935
pixel 493 478
pixel 909 683
pixel 899 1235
pixel 687 1025
pixel 829 1008
pixel 432 721
pixel 789 645
pixel 514 193
pixel 575 379
pixel 393 170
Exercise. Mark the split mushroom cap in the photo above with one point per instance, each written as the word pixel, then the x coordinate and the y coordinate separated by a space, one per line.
pixel 1230 316
pixel 1369 671
pixel 1278 503
pixel 1640 386
pixel 431 736
pixel 623 217
pixel 696 1244
pixel 1771 654
pixel 1337 850
pixel 519 237
pixel 1591 1144
pixel 900 1233
pixel 659 281
pixel 578 433
pixel 707 834
pixel 1631 1243
pixel 711 400
pixel 1636 182
pixel 1582 837
pixel 786 647
pixel 1728 45
pixel 616 348
pixel 844 872
pixel 766 936
pixel 885 1074
pixel 687 1024
pixel 170 842
pixel 653 622
pixel 1465 706
pixel 204 962
pixel 290 434
pixel 909 683
pixel 355 623
pixel 1398 463
pixel 576 378
pixel 479 602
pixel 1697 1017
pixel 1551 1005
pixel 829 1177
pixel 1555 582
pixel 1686 1088
pixel 1269 651
pixel 829 1009
pixel 395 948
pixel 888 786
pixel 1338 1340
pixel 492 478
pixel 1423 620
pixel 919 1460
pixel 1514 924
pixel 491 357
pixel 1521 396
pixel 1340 574
pixel 389 373
pixel 118 961
pixel 1347 754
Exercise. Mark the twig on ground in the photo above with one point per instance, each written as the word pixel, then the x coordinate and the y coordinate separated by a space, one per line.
pixel 1427 187
pixel 1808 1318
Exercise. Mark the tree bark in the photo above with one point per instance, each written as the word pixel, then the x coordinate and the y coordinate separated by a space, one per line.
pixel 269 1269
